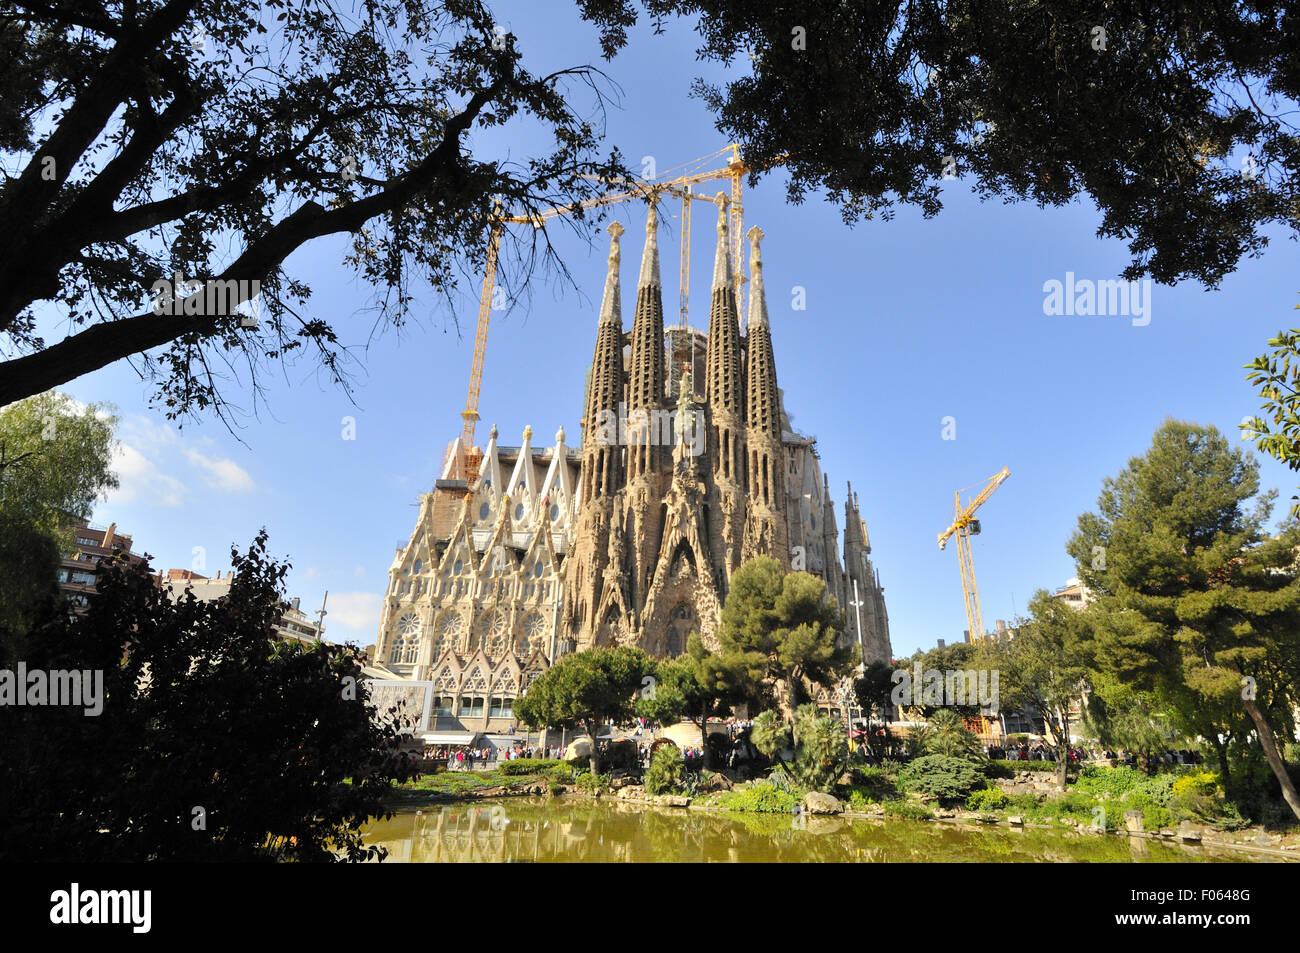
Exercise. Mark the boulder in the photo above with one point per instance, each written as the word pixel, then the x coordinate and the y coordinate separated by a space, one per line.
pixel 675 800
pixel 1133 822
pixel 814 802
pixel 716 782
pixel 1015 820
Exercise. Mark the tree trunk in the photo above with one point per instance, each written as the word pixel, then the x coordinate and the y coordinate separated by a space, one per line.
pixel 706 751
pixel 1274 759
pixel 1062 750
pixel 1221 750
pixel 593 729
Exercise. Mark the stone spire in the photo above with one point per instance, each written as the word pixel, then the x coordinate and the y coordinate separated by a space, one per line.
pixel 757 299
pixel 601 465
pixel 722 255
pixel 725 384
pixel 611 306
pixel 763 406
pixel 650 256
pixel 646 375
pixel 648 355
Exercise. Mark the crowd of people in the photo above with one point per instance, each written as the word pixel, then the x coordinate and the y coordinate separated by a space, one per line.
pixel 1037 751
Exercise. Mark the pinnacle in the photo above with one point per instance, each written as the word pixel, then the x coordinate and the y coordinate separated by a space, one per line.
pixel 611 307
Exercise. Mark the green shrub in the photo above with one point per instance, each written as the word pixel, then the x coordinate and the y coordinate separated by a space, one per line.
pixel 1007 769
pixel 664 775
pixel 555 787
pixel 987 799
pixel 822 749
pixel 1230 818
pixel 760 796
pixel 591 783
pixel 1114 782
pixel 1156 818
pixel 907 810
pixel 948 779
pixel 860 798
pixel 529 766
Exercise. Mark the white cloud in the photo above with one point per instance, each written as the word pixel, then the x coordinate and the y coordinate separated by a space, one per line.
pixel 359 570
pixel 223 474
pixel 358 611
pixel 141 480
pixel 145 433
pixel 310 572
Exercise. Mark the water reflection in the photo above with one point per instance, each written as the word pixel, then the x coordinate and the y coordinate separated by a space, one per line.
pixel 541 830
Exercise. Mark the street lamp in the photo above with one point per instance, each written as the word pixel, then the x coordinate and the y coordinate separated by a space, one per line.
pixel 857 616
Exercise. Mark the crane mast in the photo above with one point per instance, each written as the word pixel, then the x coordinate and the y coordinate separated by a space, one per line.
pixel 964 526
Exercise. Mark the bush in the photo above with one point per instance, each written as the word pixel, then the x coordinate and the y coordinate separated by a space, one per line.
pixel 664 775
pixel 1199 784
pixel 822 750
pixel 948 779
pixel 987 799
pixel 1007 769
pixel 1115 782
pixel 591 783
pixel 521 766
pixel 860 798
pixel 908 810
pixel 761 797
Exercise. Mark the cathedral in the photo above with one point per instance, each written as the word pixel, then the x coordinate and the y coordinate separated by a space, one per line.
pixel 687 466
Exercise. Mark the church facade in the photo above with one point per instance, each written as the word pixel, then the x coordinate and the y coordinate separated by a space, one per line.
pixel 687 467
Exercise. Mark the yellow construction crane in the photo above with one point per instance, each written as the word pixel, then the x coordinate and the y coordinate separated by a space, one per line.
pixel 964 526
pixel 680 186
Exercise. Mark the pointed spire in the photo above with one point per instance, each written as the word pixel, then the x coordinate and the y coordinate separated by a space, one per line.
pixel 722 256
pixel 650 256
pixel 611 306
pixel 757 300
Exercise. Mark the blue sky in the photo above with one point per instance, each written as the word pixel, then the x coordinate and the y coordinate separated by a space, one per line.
pixel 907 322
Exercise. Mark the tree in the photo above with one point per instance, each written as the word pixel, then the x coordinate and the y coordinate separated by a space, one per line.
pixel 1201 604
pixel 1173 118
pixel 586 690
pixel 1275 376
pixel 211 139
pixel 54 465
pixel 697 685
pixel 1126 718
pixel 215 740
pixel 1046 665
pixel 783 630
pixel 821 749
pixel 950 737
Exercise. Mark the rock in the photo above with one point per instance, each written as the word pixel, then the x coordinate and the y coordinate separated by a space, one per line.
pixel 814 802
pixel 944 814
pixel 1069 822
pixel 675 800
pixel 716 782
pixel 1015 820
pixel 1133 821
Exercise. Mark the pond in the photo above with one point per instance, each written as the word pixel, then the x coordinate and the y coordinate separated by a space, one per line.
pixel 565 830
